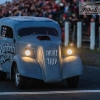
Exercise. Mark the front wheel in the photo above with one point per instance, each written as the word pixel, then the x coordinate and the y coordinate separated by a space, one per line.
pixel 3 75
pixel 20 81
pixel 73 81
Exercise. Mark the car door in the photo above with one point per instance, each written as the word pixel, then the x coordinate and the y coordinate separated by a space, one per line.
pixel 7 48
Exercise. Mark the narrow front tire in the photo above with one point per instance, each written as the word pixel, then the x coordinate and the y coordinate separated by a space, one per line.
pixel 3 75
pixel 73 81
pixel 20 81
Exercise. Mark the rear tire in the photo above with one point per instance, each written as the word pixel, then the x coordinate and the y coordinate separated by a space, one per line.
pixel 73 81
pixel 20 81
pixel 3 76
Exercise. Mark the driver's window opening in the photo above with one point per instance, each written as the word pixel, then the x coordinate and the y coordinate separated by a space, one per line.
pixel 6 31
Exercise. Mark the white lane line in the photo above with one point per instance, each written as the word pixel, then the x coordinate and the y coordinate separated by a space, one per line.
pixel 50 92
pixel 93 67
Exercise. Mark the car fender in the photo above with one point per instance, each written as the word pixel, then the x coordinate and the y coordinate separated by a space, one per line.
pixel 71 66
pixel 28 67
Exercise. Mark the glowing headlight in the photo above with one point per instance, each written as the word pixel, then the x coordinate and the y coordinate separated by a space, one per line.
pixel 27 53
pixel 71 44
pixel 69 51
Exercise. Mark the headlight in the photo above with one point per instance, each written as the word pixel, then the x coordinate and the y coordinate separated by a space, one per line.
pixel 69 52
pixel 71 44
pixel 27 52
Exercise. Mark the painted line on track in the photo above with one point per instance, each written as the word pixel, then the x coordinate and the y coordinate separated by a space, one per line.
pixel 49 92
pixel 52 92
pixel 93 67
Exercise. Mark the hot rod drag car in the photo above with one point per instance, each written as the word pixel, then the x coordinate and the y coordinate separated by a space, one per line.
pixel 30 47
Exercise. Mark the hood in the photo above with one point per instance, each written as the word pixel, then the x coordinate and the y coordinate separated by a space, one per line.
pixel 47 51
pixel 39 40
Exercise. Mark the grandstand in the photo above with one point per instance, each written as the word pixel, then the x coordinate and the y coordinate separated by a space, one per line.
pixel 58 10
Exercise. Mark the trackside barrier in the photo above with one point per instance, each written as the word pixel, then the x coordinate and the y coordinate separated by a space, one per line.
pixel 99 37
pixel 66 34
pixel 92 35
pixel 79 35
pixel 73 34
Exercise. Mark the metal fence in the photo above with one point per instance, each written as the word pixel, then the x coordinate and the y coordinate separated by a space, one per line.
pixel 80 34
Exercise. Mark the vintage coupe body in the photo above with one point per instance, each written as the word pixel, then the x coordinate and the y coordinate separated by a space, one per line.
pixel 30 47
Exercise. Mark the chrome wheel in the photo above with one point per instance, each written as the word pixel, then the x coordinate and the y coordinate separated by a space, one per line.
pixel 20 81
pixel 17 78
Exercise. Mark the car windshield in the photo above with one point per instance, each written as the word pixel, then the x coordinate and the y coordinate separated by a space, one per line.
pixel 37 30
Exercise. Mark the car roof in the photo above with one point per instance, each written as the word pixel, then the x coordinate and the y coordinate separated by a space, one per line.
pixel 17 22
pixel 11 21
pixel 28 18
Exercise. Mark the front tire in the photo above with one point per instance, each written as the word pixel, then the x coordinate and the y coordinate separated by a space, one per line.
pixel 20 81
pixel 3 75
pixel 73 81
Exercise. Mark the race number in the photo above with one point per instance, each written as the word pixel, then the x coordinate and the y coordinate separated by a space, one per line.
pixel 51 56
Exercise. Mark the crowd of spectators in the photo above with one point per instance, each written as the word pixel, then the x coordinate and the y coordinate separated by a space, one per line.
pixel 58 10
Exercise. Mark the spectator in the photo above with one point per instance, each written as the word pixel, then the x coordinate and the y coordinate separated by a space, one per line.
pixel 58 10
pixel 63 20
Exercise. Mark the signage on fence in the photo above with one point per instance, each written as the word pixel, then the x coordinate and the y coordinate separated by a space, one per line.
pixel 89 8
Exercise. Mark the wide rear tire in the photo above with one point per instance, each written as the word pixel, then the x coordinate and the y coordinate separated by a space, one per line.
pixel 20 81
pixel 73 81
